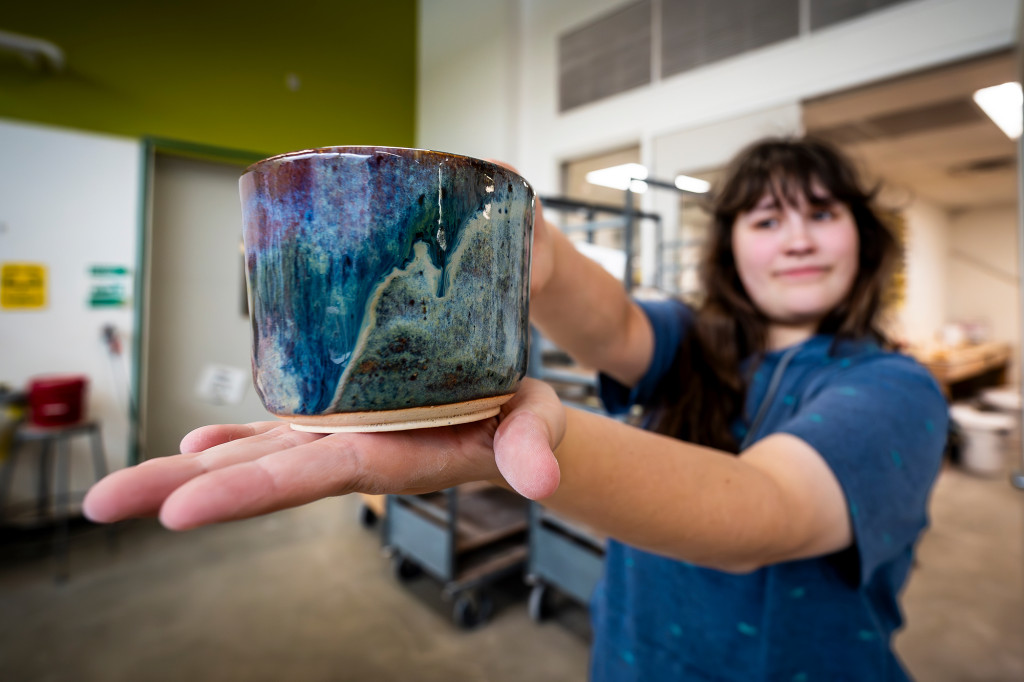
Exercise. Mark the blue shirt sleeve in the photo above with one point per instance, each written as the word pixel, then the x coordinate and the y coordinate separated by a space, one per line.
pixel 670 321
pixel 881 426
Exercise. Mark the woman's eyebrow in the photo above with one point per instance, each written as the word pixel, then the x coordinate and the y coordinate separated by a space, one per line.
pixel 766 202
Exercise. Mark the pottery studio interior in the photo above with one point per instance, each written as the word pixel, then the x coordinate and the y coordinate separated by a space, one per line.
pixel 182 244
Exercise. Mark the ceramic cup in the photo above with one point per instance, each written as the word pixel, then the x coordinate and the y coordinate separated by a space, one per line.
pixel 388 288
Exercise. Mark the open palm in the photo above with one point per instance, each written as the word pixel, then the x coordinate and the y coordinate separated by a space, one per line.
pixel 228 472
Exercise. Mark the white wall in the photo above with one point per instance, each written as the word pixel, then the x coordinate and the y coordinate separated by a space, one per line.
pixel 983 263
pixel 924 310
pixel 69 200
pixel 468 77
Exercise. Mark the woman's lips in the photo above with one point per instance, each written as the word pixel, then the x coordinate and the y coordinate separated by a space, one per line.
pixel 805 272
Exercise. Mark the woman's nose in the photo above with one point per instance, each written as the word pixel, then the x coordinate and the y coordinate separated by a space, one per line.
pixel 798 235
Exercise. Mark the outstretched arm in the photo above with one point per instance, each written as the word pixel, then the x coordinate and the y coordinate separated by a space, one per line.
pixel 778 501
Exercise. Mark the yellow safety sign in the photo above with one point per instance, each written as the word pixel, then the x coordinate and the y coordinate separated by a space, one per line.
pixel 22 286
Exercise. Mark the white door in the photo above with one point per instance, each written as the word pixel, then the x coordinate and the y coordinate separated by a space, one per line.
pixel 196 318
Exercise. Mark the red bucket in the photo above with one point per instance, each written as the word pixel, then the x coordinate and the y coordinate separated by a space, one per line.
pixel 56 400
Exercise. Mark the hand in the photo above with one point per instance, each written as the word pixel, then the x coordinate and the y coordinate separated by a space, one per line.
pixel 229 472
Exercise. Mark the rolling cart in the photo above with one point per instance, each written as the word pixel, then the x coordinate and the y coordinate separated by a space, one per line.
pixel 564 556
pixel 466 537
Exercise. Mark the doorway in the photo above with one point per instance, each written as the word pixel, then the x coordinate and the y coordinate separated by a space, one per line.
pixel 196 322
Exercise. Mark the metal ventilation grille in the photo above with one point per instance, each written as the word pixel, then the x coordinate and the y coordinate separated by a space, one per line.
pixel 614 53
pixel 696 32
pixel 606 57
pixel 828 12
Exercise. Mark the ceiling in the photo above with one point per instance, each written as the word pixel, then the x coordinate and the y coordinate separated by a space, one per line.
pixel 924 136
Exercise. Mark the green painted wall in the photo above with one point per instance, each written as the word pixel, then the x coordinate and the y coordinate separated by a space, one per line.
pixel 215 72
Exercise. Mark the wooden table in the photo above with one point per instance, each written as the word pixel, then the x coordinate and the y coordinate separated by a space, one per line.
pixel 983 362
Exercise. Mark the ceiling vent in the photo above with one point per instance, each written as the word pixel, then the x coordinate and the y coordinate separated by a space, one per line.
pixel 698 32
pixel 605 57
pixel 827 12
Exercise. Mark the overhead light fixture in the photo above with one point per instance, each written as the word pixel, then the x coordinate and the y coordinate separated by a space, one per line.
pixel 691 184
pixel 623 176
pixel 1003 104
pixel 634 176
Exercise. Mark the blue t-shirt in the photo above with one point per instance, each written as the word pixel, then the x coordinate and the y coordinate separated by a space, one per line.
pixel 879 420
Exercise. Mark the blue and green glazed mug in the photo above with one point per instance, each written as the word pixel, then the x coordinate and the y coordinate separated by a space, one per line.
pixel 388 288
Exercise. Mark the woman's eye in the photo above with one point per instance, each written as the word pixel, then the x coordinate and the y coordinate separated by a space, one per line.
pixel 766 223
pixel 823 214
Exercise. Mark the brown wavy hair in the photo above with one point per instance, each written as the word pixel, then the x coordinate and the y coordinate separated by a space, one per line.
pixel 705 391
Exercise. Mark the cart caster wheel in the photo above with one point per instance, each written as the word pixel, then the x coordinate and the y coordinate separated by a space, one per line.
pixel 404 569
pixel 539 605
pixel 472 610
pixel 367 517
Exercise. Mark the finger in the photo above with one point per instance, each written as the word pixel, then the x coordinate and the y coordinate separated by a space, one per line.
pixel 136 491
pixel 141 490
pixel 524 456
pixel 525 441
pixel 206 437
pixel 287 478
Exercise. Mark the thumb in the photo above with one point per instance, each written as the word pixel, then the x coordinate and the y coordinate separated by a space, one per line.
pixel 524 443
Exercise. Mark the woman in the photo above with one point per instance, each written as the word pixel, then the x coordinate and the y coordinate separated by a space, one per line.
pixel 764 524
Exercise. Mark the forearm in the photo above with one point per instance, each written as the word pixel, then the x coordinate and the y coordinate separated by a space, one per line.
pixel 667 496
pixel 586 312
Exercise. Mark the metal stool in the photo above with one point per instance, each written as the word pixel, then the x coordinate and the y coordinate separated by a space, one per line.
pixel 48 437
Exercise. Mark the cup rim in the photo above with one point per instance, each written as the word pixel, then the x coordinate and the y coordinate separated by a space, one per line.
pixel 338 150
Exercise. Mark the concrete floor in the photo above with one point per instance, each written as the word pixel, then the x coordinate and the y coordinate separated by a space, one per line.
pixel 306 595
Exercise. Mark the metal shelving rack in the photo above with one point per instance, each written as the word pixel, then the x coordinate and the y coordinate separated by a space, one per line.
pixel 566 556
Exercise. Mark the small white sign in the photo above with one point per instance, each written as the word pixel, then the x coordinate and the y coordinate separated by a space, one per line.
pixel 222 385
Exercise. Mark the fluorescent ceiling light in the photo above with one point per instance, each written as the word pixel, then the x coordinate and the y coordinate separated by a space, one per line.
pixel 685 182
pixel 1003 105
pixel 632 175
pixel 625 175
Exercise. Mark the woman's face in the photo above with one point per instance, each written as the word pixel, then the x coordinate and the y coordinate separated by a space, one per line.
pixel 796 262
